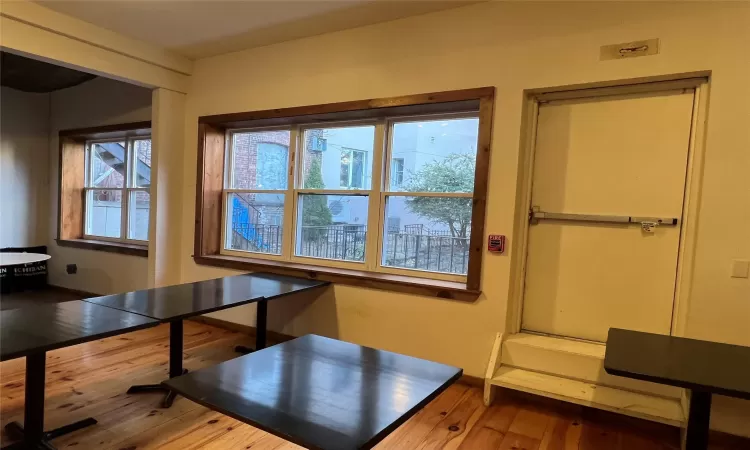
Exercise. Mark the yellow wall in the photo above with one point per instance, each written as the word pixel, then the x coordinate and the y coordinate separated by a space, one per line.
pixel 513 46
pixel 97 102
pixel 24 124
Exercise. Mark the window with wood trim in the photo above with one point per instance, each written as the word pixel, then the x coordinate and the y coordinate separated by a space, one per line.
pixel 105 180
pixel 116 196
pixel 392 187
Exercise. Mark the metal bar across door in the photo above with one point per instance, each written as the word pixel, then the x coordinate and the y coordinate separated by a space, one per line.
pixel 536 215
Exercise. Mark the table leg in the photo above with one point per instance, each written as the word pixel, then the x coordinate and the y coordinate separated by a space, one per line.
pixel 176 339
pixel 696 437
pixel 33 414
pixel 260 329
pixel 32 432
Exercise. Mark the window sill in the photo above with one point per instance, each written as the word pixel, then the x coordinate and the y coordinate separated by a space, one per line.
pixel 398 283
pixel 105 246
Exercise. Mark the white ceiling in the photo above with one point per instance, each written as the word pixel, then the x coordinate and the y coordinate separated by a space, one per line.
pixel 202 28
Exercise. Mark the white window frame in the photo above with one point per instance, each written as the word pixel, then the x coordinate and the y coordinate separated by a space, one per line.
pixel 377 194
pixel 388 166
pixel 129 187
pixel 286 236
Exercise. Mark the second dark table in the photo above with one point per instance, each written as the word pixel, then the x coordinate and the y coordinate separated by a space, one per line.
pixel 173 304
pixel 318 392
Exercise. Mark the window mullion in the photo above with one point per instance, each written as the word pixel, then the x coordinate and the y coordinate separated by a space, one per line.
pixel 125 196
pixel 374 212
pixel 86 183
pixel 229 161
pixel 87 201
pixel 225 213
pixel 87 165
pixel 290 197
pixel 123 213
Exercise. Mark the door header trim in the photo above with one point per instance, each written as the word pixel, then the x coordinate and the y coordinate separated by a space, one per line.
pixel 658 86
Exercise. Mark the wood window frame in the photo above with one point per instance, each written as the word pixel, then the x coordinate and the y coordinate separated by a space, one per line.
pixel 210 186
pixel 71 187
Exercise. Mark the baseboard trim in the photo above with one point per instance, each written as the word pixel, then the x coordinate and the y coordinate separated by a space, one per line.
pixel 83 294
pixel 273 336
pixel 277 338
pixel 471 380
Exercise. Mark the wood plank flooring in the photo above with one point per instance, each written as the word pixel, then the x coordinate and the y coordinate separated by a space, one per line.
pixel 91 380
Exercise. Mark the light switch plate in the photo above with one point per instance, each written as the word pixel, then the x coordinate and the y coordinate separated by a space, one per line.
pixel 740 268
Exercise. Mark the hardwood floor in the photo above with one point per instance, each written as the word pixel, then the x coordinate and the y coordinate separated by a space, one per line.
pixel 91 380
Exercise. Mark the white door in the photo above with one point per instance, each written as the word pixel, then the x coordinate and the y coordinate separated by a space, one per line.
pixel 615 156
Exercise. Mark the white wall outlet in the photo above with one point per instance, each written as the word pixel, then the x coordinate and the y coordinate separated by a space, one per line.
pixel 740 268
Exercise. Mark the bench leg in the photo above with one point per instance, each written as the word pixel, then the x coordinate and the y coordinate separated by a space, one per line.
pixel 696 436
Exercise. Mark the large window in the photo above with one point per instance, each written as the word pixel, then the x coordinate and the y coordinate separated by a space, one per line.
pixel 392 191
pixel 105 183
pixel 425 198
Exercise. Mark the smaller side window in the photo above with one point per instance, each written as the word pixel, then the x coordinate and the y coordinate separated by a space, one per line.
pixel 117 184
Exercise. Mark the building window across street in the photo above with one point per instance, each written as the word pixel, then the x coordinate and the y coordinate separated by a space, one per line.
pixel 352 168
pixel 397 172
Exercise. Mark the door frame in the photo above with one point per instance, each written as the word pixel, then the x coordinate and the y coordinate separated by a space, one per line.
pixel 700 82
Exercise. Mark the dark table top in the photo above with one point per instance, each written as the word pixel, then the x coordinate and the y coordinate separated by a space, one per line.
pixel 191 299
pixel 318 392
pixel 688 363
pixel 42 328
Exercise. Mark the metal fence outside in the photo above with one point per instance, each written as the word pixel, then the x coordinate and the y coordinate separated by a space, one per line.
pixel 343 242
pixel 435 253
pixel 429 251
pixel 257 238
